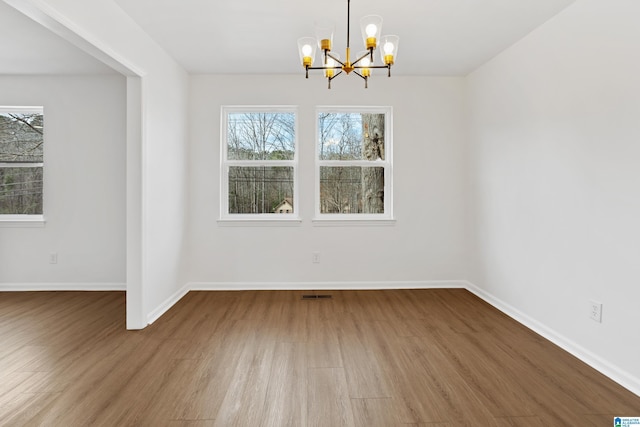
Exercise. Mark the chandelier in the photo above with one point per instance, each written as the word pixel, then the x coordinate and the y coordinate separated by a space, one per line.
pixel 371 26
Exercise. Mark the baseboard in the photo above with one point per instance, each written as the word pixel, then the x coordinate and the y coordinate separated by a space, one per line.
pixel 304 286
pixel 167 304
pixel 618 375
pixel 61 286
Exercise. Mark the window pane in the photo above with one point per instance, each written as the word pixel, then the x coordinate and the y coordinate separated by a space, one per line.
pixel 21 191
pixel 21 137
pixel 351 136
pixel 261 136
pixel 260 189
pixel 351 190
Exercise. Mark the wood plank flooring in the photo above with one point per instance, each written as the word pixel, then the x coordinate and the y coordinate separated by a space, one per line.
pixel 421 358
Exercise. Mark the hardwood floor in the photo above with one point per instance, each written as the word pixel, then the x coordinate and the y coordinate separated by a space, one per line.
pixel 362 358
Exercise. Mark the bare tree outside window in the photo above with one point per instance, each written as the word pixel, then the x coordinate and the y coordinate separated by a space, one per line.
pixel 21 161
pixel 352 162
pixel 259 189
pixel 260 161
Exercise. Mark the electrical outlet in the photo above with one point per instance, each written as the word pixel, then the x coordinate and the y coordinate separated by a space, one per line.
pixel 315 257
pixel 595 311
pixel 53 258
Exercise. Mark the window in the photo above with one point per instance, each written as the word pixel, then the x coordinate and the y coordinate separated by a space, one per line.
pixel 353 167
pixel 21 163
pixel 259 163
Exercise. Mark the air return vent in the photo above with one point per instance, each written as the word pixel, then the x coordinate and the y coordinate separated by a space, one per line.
pixel 316 296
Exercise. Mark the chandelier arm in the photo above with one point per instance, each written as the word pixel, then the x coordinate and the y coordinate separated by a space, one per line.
pixel 365 78
pixel 335 75
pixel 360 74
pixel 360 59
pixel 327 68
pixel 335 59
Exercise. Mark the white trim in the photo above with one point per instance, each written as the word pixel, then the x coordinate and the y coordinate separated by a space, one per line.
pixel 608 369
pixel 167 304
pixel 253 221
pixel 261 108
pixel 25 109
pixel 260 163
pixel 363 285
pixel 22 221
pixel 359 163
pixel 359 221
pixel 61 286
pixel 264 217
pixel 135 226
pixel 21 165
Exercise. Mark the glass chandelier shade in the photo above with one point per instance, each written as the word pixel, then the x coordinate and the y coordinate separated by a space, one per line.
pixel 389 49
pixel 371 27
pixel 365 63
pixel 331 64
pixel 307 50
pixel 324 34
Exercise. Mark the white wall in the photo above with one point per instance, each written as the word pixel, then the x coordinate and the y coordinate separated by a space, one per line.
pixel 554 132
pixel 84 185
pixel 156 109
pixel 429 239
pixel 165 189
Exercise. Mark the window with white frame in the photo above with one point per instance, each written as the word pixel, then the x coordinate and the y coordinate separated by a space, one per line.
pixel 353 163
pixel 21 162
pixel 259 163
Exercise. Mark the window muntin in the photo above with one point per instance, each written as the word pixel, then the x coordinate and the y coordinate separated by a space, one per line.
pixel 21 161
pixel 353 163
pixel 259 163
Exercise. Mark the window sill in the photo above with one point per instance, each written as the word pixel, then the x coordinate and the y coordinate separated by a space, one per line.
pixel 353 222
pixel 22 221
pixel 259 222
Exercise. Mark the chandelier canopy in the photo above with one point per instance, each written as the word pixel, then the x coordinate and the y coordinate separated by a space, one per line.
pixel 333 66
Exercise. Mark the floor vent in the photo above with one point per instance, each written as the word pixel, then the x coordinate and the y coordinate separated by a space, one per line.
pixel 316 296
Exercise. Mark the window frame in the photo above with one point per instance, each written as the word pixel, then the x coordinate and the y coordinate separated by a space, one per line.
pixel 24 220
pixel 260 219
pixel 342 219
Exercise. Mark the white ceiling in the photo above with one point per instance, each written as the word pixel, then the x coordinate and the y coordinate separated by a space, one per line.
pixel 437 37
